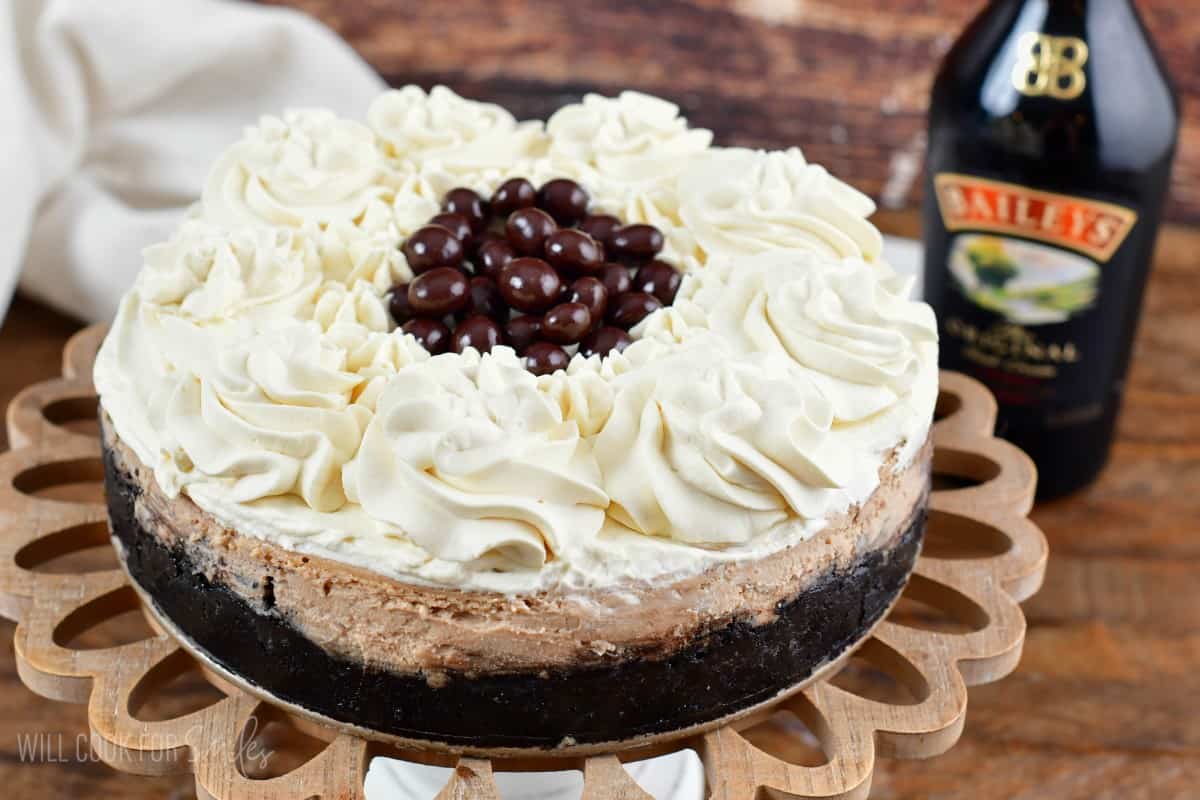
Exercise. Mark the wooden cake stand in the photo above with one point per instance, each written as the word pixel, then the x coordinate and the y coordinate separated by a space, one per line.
pixel 902 694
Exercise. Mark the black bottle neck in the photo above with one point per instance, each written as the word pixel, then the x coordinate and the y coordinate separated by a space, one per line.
pixel 1076 83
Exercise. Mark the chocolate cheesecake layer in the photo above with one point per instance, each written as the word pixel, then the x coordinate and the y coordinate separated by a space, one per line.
pixel 715 673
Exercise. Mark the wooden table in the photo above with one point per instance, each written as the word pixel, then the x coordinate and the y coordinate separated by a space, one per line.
pixel 1105 704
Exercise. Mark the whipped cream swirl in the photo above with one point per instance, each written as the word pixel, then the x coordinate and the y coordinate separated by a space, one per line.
pixel 444 140
pixel 212 275
pixel 272 414
pixel 440 124
pixel 259 414
pixel 742 202
pixel 359 305
pixel 309 166
pixel 475 464
pixel 630 140
pixel 243 359
pixel 712 449
pixel 369 252
pixel 850 324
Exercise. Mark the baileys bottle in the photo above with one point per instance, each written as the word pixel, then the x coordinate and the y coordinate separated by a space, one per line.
pixel 1053 127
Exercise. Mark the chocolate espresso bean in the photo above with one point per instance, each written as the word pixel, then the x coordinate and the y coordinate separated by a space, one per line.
pixel 432 246
pixel 468 203
pixel 566 323
pixel 600 227
pixel 520 332
pixel 512 195
pixel 544 358
pixel 479 332
pixel 493 256
pixel 529 284
pixel 398 305
pixel 441 290
pixel 636 243
pixel 563 199
pixel 631 308
pixel 604 340
pixel 659 279
pixel 457 224
pixel 591 292
pixel 484 299
pixel 616 279
pixel 432 334
pixel 527 230
pixel 573 252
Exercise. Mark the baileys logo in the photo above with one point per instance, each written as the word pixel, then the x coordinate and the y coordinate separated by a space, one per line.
pixel 1088 226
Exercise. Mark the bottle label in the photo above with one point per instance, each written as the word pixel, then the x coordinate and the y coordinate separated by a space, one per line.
pixel 1028 268
pixel 1088 226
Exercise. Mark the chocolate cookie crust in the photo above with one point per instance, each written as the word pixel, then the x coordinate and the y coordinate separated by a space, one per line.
pixel 713 675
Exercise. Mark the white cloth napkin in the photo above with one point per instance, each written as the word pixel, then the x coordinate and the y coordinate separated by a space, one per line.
pixel 114 110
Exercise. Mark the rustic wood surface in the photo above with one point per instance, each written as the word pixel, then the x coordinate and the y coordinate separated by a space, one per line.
pixel 849 81
pixel 1104 703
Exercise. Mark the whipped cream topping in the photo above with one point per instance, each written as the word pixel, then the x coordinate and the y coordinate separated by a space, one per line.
pixel 441 131
pixel 849 324
pixel 470 459
pixel 309 166
pixel 213 276
pixel 254 367
pixel 713 449
pixel 622 149
pixel 744 202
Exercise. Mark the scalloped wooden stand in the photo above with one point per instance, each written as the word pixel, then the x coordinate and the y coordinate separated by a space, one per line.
pixel 982 557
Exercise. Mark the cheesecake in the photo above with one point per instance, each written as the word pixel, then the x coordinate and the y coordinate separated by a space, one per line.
pixel 491 435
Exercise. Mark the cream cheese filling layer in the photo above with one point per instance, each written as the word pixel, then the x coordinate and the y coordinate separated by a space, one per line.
pixel 253 366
